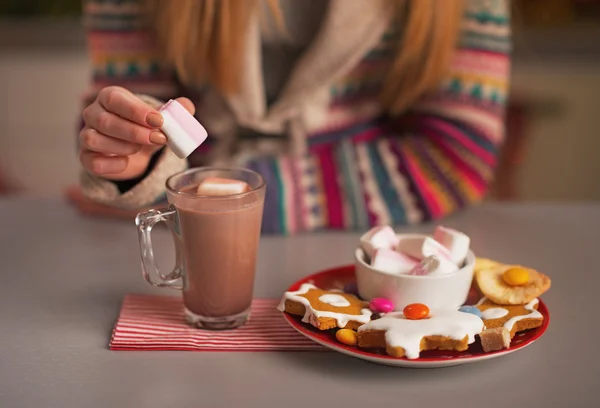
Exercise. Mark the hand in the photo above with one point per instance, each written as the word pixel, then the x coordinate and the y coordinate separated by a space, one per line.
pixel 121 134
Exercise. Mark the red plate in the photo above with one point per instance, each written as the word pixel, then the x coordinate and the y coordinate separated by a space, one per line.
pixel 336 278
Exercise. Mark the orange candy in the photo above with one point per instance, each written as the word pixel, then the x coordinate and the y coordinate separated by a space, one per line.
pixel 416 311
pixel 347 336
pixel 516 276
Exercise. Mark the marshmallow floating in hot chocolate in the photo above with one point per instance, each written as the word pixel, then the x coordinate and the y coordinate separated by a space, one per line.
pixel 381 237
pixel 454 241
pixel 390 261
pixel 216 186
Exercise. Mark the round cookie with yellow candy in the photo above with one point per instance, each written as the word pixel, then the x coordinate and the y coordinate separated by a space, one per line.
pixel 510 284
pixel 484 263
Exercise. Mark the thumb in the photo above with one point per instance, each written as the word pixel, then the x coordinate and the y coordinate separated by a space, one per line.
pixel 187 104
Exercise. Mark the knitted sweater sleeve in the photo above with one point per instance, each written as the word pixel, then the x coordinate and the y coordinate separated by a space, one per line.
pixel 438 158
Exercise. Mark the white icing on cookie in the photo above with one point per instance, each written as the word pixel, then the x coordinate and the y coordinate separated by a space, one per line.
pixel 493 313
pixel 334 300
pixel 311 315
pixel 533 315
pixel 405 333
pixel 483 299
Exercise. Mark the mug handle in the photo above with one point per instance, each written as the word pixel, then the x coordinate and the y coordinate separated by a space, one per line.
pixel 145 221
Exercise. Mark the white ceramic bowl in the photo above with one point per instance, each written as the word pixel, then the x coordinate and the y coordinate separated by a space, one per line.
pixel 437 292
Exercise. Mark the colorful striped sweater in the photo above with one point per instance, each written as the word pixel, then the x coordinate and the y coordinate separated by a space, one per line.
pixel 356 167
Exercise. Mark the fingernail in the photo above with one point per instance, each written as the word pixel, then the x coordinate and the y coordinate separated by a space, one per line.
pixel 158 138
pixel 154 119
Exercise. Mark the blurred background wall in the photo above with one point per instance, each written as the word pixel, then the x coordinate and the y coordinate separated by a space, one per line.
pixel 554 138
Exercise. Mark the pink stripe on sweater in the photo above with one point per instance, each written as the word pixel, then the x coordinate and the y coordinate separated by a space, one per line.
pixel 335 208
pixel 459 136
pixel 473 62
pixel 423 186
pixel 132 41
pixel 468 172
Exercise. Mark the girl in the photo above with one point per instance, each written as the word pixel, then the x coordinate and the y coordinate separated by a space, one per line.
pixel 356 112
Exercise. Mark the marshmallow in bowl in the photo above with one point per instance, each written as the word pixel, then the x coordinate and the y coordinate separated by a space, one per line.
pixel 390 261
pixel 433 266
pixel 216 186
pixel 455 242
pixel 422 248
pixel 381 237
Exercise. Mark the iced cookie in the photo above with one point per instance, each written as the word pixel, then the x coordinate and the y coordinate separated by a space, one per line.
pixel 403 337
pixel 484 263
pixel 514 318
pixel 510 284
pixel 326 309
pixel 495 339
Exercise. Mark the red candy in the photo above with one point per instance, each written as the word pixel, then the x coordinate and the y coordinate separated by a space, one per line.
pixel 416 311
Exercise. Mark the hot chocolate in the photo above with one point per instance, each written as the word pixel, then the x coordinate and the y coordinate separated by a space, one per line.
pixel 215 216
pixel 219 251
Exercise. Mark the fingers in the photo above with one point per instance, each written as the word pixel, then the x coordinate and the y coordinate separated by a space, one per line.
pixel 102 165
pixel 97 117
pixel 91 139
pixel 128 106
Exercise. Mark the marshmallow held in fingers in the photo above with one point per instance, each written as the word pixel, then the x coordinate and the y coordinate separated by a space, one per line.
pixel 390 261
pixel 184 132
pixel 421 248
pixel 455 242
pixel 433 266
pixel 378 238
pixel 215 186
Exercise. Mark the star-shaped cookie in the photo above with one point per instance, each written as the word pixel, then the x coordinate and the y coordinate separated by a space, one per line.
pixel 514 318
pixel 326 309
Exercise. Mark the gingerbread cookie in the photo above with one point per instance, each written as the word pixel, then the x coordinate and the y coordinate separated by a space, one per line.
pixel 509 284
pixel 484 263
pixel 326 309
pixel 514 318
pixel 495 339
pixel 403 337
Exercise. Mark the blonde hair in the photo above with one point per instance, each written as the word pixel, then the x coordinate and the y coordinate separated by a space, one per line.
pixel 204 39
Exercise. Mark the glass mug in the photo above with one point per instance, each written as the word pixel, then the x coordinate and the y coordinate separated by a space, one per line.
pixel 216 241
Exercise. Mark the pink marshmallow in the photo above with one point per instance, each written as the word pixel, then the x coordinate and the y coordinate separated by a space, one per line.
pixel 377 238
pixel 433 266
pixel 421 248
pixel 455 242
pixel 184 132
pixel 215 186
pixel 390 261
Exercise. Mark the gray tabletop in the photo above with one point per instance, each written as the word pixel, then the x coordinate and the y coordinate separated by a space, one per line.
pixel 63 279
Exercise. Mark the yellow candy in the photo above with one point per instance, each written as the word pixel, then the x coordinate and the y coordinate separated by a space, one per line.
pixel 516 276
pixel 347 336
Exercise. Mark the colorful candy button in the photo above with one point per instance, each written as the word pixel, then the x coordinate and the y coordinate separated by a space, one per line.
pixel 381 305
pixel 416 311
pixel 347 337
pixel 516 276
pixel 470 309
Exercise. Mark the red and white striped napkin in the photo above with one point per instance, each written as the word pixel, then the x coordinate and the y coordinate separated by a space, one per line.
pixel 158 323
